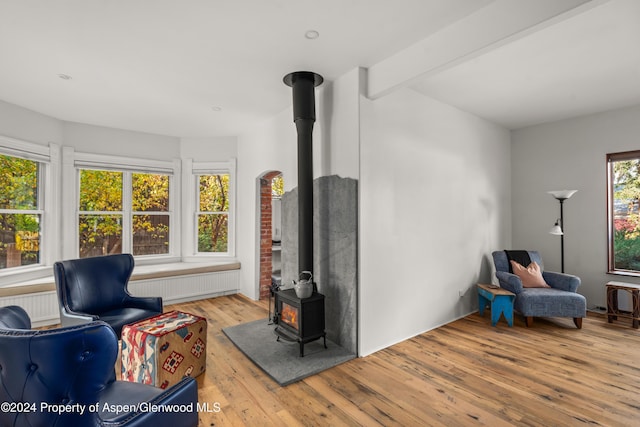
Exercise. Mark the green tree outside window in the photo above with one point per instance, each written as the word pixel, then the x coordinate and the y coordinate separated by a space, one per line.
pixel 626 218
pixel 20 214
pixel 213 213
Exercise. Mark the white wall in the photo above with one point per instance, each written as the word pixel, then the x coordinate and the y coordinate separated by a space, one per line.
pixel 209 149
pixel 570 154
pixel 117 142
pixel 20 123
pixel 435 198
pixel 340 109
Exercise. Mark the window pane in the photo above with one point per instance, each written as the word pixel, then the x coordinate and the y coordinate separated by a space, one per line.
pixel 626 221
pixel 19 240
pixel 100 190
pixel 18 183
pixel 214 193
pixel 212 232
pixel 150 192
pixel 150 234
pixel 277 186
pixel 100 235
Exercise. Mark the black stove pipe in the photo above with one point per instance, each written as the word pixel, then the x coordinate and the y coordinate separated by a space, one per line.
pixel 303 84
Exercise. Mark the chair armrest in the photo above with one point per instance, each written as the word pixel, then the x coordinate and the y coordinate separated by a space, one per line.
pixel 509 281
pixel 72 318
pixel 147 303
pixel 562 281
pixel 14 317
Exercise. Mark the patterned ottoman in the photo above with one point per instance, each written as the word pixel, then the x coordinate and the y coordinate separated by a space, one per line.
pixel 163 349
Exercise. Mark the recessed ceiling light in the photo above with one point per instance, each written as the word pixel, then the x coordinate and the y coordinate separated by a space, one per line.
pixel 65 76
pixel 312 34
pixel 216 108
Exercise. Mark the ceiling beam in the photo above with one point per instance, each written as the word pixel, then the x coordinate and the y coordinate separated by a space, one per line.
pixel 499 23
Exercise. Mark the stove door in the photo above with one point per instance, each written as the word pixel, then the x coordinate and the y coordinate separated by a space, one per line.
pixel 290 315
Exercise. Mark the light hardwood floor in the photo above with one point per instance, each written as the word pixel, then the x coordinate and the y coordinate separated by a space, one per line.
pixel 464 373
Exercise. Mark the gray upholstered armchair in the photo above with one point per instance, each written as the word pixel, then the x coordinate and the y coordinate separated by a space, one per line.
pixel 559 300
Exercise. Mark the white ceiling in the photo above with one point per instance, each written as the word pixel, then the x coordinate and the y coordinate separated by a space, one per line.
pixel 164 66
pixel 585 64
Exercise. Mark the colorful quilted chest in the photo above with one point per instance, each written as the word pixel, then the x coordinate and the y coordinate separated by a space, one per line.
pixel 164 348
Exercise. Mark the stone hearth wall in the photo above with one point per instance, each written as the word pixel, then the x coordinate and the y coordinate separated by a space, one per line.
pixel 335 252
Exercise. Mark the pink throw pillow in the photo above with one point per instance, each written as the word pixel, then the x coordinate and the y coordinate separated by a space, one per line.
pixel 530 276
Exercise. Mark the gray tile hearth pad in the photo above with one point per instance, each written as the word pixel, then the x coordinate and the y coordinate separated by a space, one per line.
pixel 281 359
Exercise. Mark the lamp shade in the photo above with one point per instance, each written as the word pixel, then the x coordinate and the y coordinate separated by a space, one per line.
pixel 556 230
pixel 562 194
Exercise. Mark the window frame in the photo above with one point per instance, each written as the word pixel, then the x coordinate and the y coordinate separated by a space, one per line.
pixel 47 157
pixel 192 170
pixel 611 159
pixel 127 166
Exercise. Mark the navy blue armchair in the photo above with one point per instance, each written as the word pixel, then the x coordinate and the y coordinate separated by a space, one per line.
pixel 66 377
pixel 95 288
pixel 560 300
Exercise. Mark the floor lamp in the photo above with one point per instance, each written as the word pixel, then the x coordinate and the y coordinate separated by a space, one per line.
pixel 558 228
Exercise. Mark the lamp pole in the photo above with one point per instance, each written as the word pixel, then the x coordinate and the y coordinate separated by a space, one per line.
pixel 561 196
pixel 562 236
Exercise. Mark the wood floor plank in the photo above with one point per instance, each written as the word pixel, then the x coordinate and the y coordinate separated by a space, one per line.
pixel 330 386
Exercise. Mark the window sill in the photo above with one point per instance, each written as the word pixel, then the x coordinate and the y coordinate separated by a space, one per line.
pixel 181 269
pixel 144 272
pixel 626 273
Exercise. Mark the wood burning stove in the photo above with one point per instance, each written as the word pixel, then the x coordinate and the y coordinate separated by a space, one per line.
pixel 300 320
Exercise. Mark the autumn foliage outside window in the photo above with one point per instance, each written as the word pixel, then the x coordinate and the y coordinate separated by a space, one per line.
pixel 213 213
pixel 108 225
pixel 277 186
pixel 20 212
pixel 150 214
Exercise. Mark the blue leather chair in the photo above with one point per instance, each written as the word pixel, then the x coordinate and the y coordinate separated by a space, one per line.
pixel 560 300
pixel 95 288
pixel 73 368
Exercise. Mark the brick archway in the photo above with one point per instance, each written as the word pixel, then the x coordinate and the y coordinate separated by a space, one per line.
pixel 266 217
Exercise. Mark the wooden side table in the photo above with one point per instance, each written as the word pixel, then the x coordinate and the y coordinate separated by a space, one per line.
pixel 612 302
pixel 501 302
